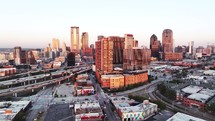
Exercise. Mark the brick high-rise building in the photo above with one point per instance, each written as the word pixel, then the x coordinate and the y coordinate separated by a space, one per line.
pixel 75 44
pixel 118 46
pixel 84 41
pixel 155 46
pixel 129 41
pixel 167 41
pixel 136 58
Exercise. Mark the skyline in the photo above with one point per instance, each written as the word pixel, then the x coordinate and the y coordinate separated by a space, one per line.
pixel 34 24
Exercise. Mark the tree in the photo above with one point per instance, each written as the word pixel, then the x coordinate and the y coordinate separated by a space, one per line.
pixel 211 107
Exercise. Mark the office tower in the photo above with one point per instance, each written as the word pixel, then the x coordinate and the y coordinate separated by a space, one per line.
pixel 17 55
pixel 154 46
pixel 55 44
pixel 167 44
pixel 191 45
pixel 167 41
pixel 75 39
pixel 29 56
pixel 136 58
pixel 64 47
pixel 129 40
pixel 84 40
pixel 71 59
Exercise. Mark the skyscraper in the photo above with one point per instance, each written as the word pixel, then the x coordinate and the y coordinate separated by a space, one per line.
pixel 84 40
pixel 64 47
pixel 17 55
pixel 191 44
pixel 75 39
pixel 55 44
pixel 129 41
pixel 154 46
pixel 167 40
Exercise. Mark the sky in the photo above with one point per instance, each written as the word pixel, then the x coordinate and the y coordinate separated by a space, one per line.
pixel 33 23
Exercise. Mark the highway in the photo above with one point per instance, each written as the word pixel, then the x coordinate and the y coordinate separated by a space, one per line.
pixel 23 88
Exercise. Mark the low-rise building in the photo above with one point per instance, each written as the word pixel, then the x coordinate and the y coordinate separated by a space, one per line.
pixel 195 96
pixel 88 110
pixel 82 77
pixel 129 110
pixel 84 90
pixel 7 71
pixel 112 81
pixel 172 56
pixel 9 110
pixel 134 77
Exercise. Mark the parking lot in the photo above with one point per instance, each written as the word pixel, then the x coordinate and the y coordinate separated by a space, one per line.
pixel 58 112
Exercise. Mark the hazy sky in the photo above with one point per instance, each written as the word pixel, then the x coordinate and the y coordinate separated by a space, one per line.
pixel 33 23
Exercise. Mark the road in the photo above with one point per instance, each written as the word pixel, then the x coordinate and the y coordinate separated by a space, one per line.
pixel 40 103
pixel 103 98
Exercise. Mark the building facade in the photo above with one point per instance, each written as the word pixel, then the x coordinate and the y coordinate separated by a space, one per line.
pixel 155 46
pixel 75 44
pixel 167 40
pixel 55 44
pixel 84 41
pixel 129 41
pixel 136 58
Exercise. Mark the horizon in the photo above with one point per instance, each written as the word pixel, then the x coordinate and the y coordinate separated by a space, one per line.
pixel 34 24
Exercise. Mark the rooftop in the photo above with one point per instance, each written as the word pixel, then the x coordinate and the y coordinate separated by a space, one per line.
pixel 199 97
pixel 124 104
pixel 192 89
pixel 109 76
pixel 90 108
pixel 184 117
pixel 8 110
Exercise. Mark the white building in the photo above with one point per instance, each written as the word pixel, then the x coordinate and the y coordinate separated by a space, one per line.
pixel 183 117
pixel 129 112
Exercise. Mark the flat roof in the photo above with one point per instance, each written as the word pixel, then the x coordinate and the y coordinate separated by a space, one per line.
pixel 108 76
pixel 199 97
pixel 89 108
pixel 192 89
pixel 15 107
pixel 183 117
pixel 124 104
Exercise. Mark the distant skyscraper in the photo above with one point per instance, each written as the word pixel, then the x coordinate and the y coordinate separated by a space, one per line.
pixel 154 46
pixel 75 44
pixel 191 45
pixel 84 40
pixel 167 40
pixel 64 47
pixel 55 44
pixel 17 55
pixel 129 40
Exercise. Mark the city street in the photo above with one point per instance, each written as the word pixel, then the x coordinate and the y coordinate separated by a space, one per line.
pixel 102 97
